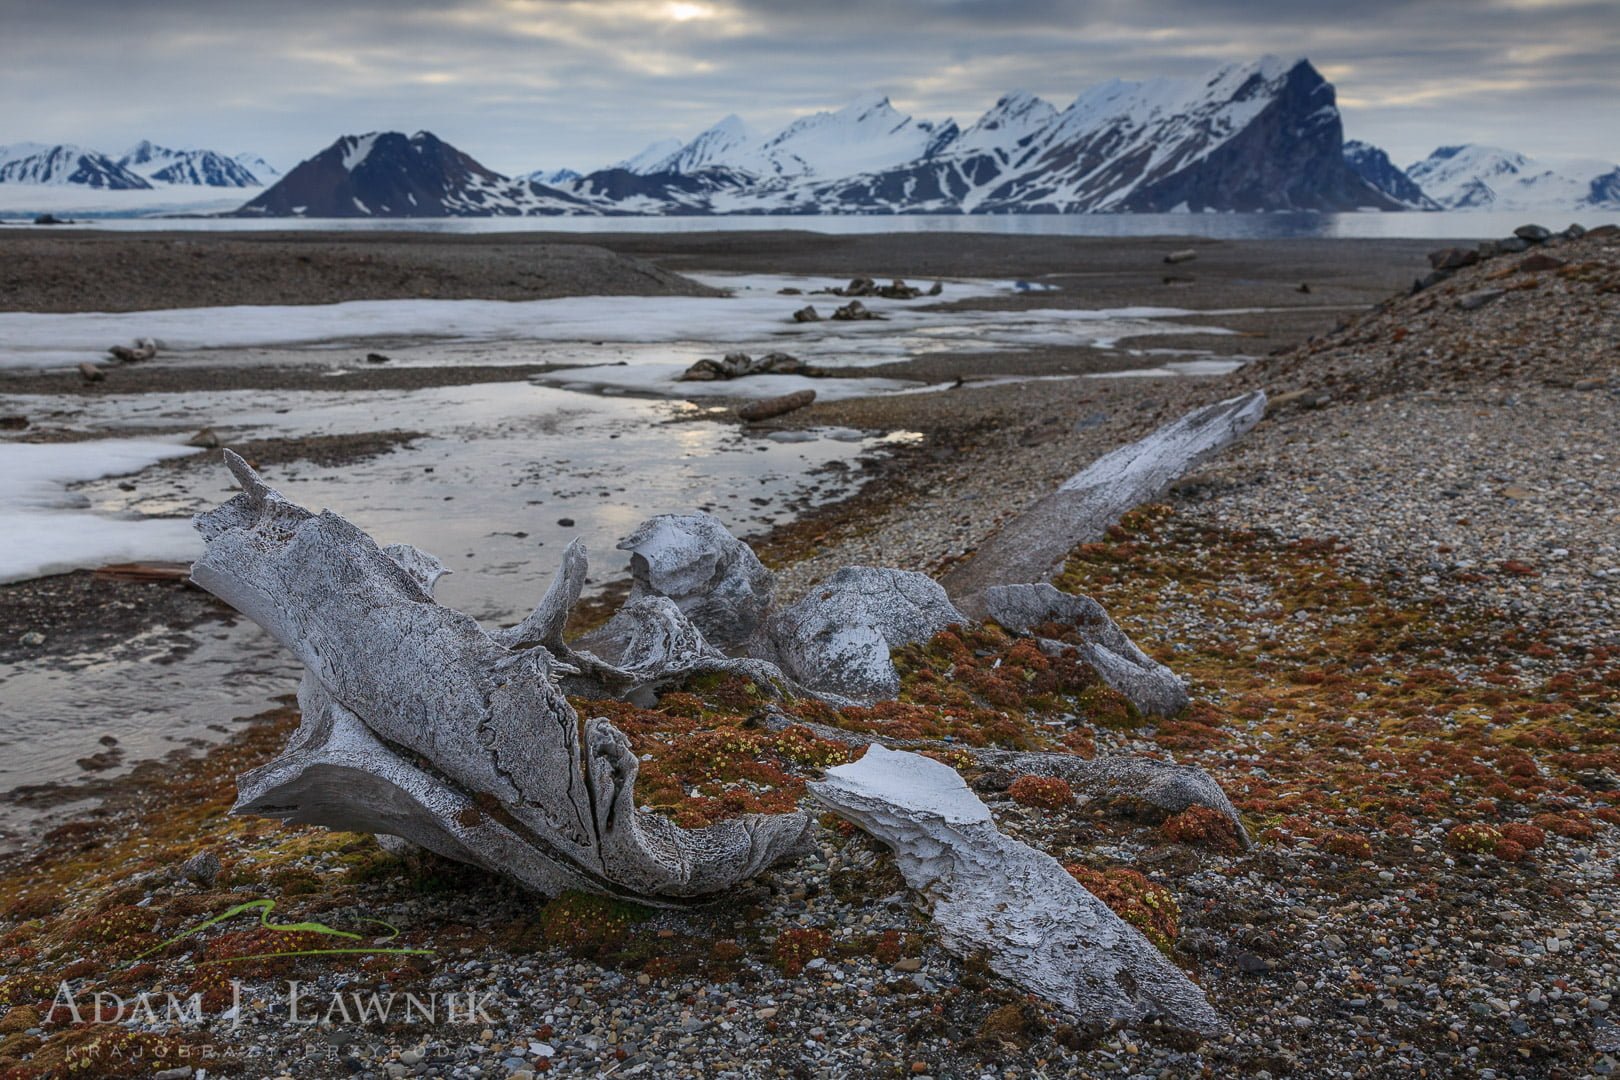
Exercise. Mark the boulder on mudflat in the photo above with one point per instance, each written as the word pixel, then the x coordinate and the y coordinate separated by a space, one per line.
pixel 808 313
pixel 738 365
pixel 854 311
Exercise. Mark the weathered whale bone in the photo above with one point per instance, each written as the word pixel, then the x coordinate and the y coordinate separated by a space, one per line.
pixel 1036 924
pixel 420 724
pixel 1034 544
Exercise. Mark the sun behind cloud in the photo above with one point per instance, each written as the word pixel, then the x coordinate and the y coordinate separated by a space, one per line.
pixel 682 11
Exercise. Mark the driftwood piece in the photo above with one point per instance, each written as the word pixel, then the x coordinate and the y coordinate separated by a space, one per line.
pixel 420 724
pixel 1033 545
pixel 767 408
pixel 1036 924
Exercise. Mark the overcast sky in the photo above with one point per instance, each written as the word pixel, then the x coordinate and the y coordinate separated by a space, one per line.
pixel 526 84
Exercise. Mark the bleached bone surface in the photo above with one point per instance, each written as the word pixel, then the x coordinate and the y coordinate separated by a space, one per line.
pixel 1150 686
pixel 393 678
pixel 836 640
pixel 1034 544
pixel 710 575
pixel 1038 926
pixel 650 643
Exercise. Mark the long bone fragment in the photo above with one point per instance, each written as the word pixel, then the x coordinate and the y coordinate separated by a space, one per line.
pixel 1033 545
pixel 1035 923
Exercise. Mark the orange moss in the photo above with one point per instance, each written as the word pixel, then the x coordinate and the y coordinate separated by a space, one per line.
pixel 1041 792
pixel 1199 826
pixel 798 946
pixel 1149 907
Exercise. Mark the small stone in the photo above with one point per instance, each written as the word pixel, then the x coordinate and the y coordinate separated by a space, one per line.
pixel 31 639
pixel 1452 258
pixel 377 358
pixel 1591 383
pixel 909 963
pixel 567 523
pixel 90 373
pixel 1540 261
pixel 204 438
pixel 1534 234
pixel 410 1057
pixel 203 868
pixel 1250 964
pixel 1478 298
pixel 807 314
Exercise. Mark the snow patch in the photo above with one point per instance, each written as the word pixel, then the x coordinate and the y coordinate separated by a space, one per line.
pixel 43 526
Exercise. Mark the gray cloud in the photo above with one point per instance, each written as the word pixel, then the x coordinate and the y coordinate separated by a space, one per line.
pixel 523 84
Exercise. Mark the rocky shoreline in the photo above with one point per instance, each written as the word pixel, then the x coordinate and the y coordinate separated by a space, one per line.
pixel 1393 603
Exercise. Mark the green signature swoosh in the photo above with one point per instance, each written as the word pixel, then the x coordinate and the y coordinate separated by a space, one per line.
pixel 264 908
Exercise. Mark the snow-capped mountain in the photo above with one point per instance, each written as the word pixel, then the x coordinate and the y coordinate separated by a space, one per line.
pixel 1473 177
pixel 36 163
pixel 261 169
pixel 730 140
pixel 646 161
pixel 205 168
pixel 1259 136
pixel 552 176
pixel 1009 127
pixel 1374 166
pixel 389 174
pixel 868 135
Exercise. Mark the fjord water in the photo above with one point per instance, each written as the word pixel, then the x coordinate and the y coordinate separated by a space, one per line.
pixel 1441 225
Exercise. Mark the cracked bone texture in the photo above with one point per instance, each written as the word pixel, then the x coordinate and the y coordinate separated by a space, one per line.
pixel 1038 925
pixel 836 640
pixel 713 577
pixel 649 643
pixel 1148 684
pixel 489 736
pixel 1032 546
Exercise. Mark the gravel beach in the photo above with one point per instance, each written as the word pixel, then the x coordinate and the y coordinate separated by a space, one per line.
pixel 1394 602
